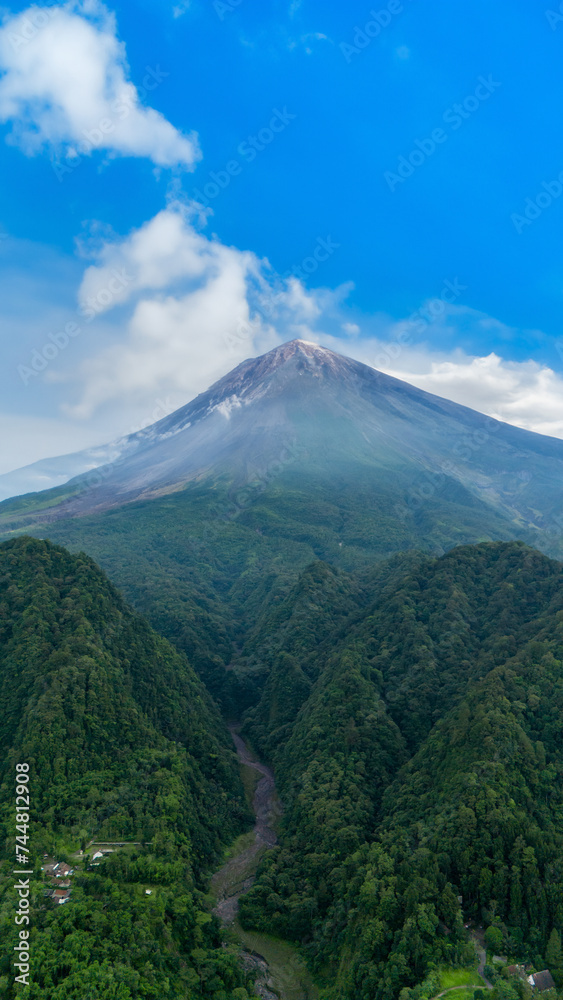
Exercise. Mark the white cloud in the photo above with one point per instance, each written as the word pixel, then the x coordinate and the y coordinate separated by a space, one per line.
pixel 313 36
pixel 526 394
pixel 65 86
pixel 306 41
pixel 198 308
pixel 191 308
pixel 352 329
pixel 163 251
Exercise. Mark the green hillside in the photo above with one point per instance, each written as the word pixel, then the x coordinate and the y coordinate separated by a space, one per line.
pixel 426 763
pixel 123 745
pixel 411 708
pixel 205 562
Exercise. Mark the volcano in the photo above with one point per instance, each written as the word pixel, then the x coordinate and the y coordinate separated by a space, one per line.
pixel 304 410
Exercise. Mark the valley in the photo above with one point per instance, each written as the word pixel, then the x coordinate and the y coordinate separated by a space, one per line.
pixel 237 875
pixel 394 667
pixel 277 964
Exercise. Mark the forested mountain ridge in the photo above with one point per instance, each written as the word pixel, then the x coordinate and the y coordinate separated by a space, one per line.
pixel 413 713
pixel 206 519
pixel 123 744
pixel 426 763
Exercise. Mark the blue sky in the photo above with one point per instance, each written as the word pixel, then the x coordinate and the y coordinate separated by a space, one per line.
pixel 355 102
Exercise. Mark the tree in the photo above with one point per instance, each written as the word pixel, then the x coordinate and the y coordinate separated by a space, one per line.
pixel 504 991
pixel 493 939
pixel 553 953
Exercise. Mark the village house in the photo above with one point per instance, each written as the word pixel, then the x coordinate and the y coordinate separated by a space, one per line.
pixel 61 896
pixel 517 970
pixel 58 874
pixel 542 981
pixel 62 871
pixel 58 869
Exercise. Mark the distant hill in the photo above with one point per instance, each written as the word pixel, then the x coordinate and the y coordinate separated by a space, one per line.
pixel 123 744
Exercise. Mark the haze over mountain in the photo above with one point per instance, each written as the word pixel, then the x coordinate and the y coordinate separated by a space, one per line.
pixel 305 407
pixel 49 472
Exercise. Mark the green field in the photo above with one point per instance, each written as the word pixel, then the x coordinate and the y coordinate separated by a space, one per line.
pixel 459 977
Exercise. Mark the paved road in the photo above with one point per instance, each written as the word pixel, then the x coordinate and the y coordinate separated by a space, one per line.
pixel 482 956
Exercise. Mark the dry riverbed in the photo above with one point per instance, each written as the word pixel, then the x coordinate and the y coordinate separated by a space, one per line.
pixel 281 972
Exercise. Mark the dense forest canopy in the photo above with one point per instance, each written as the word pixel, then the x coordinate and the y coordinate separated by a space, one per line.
pixel 423 766
pixel 123 744
pixel 411 708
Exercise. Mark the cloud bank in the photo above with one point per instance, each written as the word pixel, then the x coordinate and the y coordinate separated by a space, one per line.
pixel 526 394
pixel 65 86
pixel 197 307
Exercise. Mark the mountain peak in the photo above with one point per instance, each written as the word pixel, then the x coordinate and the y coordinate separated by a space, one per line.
pixel 300 344
pixel 293 348
pixel 334 415
pixel 301 353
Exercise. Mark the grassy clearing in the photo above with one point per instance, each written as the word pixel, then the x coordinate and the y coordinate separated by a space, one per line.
pixel 289 974
pixel 239 845
pixel 250 778
pixel 459 977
